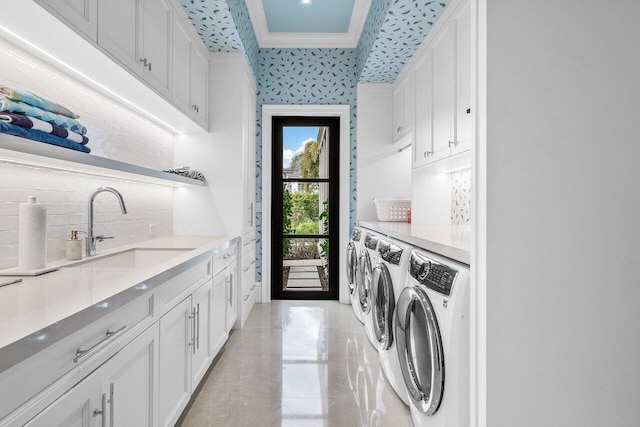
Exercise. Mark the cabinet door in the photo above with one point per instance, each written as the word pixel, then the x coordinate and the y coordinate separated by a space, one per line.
pixel 131 382
pixel 82 406
pixel 402 115
pixel 202 350
pixel 181 63
pixel 423 143
pixel 442 56
pixel 232 295
pixel 119 32
pixel 218 313
pixel 81 14
pixel 175 362
pixel 249 135
pixel 463 112
pixel 199 85
pixel 156 48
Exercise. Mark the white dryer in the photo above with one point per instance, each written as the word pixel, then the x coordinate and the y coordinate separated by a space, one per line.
pixel 368 260
pixel 432 331
pixel 389 278
pixel 353 269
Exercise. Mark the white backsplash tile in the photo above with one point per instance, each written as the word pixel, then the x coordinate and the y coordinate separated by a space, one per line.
pixel 114 132
pixel 66 196
pixel 460 197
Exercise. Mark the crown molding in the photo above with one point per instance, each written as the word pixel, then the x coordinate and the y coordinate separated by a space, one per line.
pixel 267 39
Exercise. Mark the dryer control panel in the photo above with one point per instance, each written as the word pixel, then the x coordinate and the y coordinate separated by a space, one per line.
pixel 432 274
pixel 390 252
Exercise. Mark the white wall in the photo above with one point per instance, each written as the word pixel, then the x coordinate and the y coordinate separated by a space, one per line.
pixel 562 217
pixel 114 132
pixel 382 172
pixel 217 208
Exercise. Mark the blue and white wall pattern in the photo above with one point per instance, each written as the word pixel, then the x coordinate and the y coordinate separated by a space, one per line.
pixel 311 77
pixel 375 18
pixel 405 26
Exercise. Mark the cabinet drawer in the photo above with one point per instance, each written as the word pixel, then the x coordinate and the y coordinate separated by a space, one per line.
pixel 179 287
pixel 224 258
pixel 76 355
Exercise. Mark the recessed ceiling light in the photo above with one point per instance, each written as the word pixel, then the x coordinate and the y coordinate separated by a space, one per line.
pixel 305 1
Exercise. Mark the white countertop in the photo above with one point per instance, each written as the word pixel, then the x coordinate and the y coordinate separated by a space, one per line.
pixel 451 241
pixel 28 308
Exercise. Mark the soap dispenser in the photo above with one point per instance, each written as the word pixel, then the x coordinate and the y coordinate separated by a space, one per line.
pixel 74 247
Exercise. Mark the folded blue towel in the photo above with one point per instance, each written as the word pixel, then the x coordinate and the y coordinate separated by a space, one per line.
pixel 37 135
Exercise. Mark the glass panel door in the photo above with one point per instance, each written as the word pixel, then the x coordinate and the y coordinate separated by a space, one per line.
pixel 305 206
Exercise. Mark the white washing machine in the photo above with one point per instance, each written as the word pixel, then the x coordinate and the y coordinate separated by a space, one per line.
pixel 368 260
pixel 389 278
pixel 353 269
pixel 432 331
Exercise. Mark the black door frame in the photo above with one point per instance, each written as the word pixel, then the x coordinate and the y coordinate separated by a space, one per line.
pixel 333 123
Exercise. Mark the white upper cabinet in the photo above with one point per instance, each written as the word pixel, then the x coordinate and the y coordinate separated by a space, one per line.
pixel 156 43
pixel 119 32
pixel 423 142
pixel 81 14
pixel 403 106
pixel 463 111
pixel 443 74
pixel 136 33
pixel 442 56
pixel 199 85
pixel 181 63
pixel 152 39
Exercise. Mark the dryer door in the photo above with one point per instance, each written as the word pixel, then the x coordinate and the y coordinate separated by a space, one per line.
pixel 383 306
pixel 419 346
pixel 352 263
pixel 364 285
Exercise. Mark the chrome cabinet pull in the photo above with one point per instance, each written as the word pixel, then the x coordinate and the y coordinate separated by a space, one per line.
pixel 192 343
pixel 244 270
pixel 246 297
pixel 231 290
pixel 143 61
pixel 81 353
pixel 198 326
pixel 149 66
pixel 452 144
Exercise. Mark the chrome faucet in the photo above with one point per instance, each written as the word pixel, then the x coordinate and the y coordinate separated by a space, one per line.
pixel 91 239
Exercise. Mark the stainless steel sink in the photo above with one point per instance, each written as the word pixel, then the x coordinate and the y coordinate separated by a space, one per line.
pixel 131 258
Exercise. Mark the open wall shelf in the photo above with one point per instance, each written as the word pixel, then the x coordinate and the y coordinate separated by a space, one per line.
pixel 24 151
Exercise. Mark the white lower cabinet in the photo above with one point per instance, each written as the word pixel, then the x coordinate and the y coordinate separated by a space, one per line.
pixel 145 374
pixel 130 382
pixel 185 351
pixel 175 362
pixel 121 393
pixel 82 406
pixel 232 294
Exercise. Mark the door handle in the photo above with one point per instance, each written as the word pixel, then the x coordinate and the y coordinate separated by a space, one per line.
pixel 198 326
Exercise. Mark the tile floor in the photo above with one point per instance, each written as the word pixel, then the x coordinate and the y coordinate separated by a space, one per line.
pixel 298 363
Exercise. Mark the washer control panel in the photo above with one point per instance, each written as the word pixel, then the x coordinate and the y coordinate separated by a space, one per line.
pixel 371 241
pixel 390 252
pixel 432 274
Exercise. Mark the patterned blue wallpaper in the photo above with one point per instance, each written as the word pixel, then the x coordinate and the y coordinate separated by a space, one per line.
pixel 377 12
pixel 312 77
pixel 224 26
pixel 240 13
pixel 405 26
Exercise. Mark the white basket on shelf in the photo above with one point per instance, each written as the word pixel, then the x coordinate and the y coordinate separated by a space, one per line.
pixel 392 209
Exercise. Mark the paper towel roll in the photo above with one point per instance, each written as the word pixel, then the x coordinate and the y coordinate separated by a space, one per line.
pixel 32 235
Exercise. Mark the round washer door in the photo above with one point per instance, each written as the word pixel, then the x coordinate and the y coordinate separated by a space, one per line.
pixel 383 306
pixel 419 346
pixel 352 263
pixel 364 285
